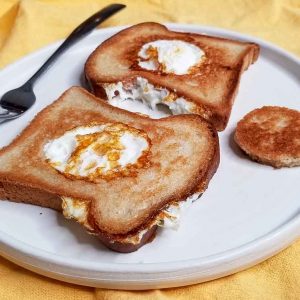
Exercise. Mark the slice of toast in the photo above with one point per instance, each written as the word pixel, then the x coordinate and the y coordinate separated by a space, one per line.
pixel 271 135
pixel 183 156
pixel 210 88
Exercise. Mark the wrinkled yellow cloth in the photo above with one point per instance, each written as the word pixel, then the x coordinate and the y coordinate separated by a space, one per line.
pixel 30 24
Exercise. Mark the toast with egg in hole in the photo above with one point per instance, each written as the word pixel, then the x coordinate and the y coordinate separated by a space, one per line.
pixel 147 66
pixel 117 173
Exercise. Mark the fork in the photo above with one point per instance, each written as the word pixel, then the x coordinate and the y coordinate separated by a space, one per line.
pixel 17 101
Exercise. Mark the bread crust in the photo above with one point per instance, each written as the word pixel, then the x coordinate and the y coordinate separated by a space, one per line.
pixel 271 135
pixel 123 247
pixel 17 192
pixel 218 69
pixel 24 194
pixel 22 163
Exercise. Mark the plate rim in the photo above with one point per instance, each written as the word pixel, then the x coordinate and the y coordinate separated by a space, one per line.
pixel 279 238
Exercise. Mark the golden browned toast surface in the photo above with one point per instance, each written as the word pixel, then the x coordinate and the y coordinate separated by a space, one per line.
pixel 212 87
pixel 184 156
pixel 271 135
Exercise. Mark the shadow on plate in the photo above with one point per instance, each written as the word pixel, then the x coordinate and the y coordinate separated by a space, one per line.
pixel 235 148
pixel 83 82
pixel 81 235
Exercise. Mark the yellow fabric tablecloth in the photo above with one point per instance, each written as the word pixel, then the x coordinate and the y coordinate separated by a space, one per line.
pixel 30 24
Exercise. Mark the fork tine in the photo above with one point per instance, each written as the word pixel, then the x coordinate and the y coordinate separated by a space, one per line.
pixel 4 112
pixel 8 115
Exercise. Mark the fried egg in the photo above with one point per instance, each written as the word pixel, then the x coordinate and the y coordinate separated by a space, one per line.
pixel 170 56
pixel 99 151
pixel 143 97
pixel 168 218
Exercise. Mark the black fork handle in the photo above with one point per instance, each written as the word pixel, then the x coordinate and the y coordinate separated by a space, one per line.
pixel 82 30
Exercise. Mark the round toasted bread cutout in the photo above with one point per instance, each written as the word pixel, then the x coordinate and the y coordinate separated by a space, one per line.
pixel 271 135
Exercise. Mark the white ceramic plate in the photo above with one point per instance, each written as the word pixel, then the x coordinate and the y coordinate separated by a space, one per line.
pixel 249 212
